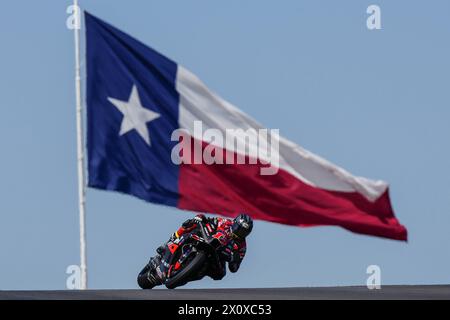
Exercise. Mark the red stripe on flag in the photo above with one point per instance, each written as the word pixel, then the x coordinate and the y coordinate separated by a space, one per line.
pixel 282 198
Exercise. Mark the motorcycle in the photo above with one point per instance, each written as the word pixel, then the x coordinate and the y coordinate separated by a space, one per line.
pixel 187 258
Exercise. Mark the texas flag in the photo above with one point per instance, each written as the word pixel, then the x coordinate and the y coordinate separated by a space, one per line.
pixel 157 132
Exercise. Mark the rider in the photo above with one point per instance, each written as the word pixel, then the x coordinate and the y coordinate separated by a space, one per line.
pixel 230 232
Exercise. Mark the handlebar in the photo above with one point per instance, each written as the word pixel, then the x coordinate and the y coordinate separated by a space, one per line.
pixel 215 243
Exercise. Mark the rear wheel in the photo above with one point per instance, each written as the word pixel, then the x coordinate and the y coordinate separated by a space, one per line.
pixel 187 272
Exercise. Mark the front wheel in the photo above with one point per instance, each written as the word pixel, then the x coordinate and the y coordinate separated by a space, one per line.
pixel 145 278
pixel 189 270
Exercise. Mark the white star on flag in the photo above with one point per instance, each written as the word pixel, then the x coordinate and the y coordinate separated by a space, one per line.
pixel 135 116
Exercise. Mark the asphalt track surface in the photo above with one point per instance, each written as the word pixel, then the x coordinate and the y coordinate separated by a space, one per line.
pixel 420 292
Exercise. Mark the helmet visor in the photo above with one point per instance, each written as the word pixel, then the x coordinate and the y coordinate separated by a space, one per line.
pixel 239 231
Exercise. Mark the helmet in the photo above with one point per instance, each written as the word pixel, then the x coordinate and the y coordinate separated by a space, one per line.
pixel 242 226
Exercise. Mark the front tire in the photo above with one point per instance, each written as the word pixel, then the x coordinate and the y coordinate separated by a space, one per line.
pixel 183 276
pixel 145 279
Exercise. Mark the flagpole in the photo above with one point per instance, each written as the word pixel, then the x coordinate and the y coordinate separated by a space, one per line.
pixel 80 153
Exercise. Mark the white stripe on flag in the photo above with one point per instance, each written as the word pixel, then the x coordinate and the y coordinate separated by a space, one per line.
pixel 198 103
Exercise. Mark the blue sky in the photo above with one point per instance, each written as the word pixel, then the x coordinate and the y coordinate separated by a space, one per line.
pixel 373 102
